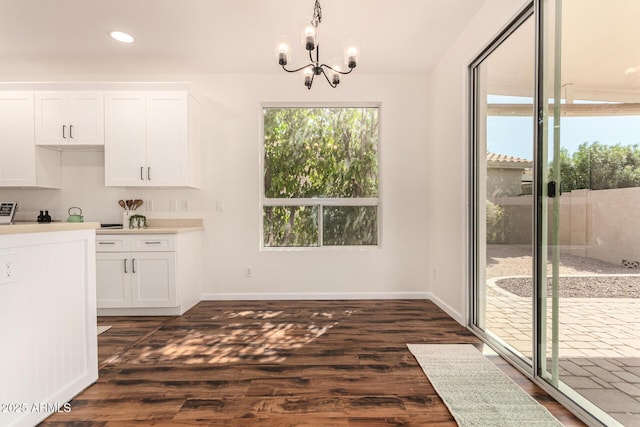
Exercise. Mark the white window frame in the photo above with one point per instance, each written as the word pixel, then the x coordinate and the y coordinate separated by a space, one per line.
pixel 319 202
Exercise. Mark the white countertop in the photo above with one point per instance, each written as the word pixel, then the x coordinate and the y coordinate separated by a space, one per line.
pixel 34 227
pixel 159 226
pixel 148 230
pixel 156 226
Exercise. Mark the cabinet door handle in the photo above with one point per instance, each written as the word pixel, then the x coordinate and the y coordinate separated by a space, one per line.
pixel 141 177
pixel 152 243
pixel 149 173
pixel 64 129
pixel 106 243
pixel 133 265
pixel 125 266
pixel 71 131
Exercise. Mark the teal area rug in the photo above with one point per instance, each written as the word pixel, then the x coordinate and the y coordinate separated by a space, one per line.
pixel 476 391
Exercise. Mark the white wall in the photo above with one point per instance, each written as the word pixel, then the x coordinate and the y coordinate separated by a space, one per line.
pixel 448 158
pixel 230 159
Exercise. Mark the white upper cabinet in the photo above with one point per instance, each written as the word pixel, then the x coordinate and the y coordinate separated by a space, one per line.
pixel 167 139
pixel 151 139
pixel 69 118
pixel 125 139
pixel 22 164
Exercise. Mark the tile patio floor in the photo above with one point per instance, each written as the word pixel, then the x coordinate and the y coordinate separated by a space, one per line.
pixel 599 346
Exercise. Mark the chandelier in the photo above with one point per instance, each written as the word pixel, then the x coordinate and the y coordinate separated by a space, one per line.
pixel 310 42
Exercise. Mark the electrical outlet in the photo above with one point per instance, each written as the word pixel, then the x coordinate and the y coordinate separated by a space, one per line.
pixel 219 205
pixel 248 273
pixel 186 205
pixel 173 205
pixel 8 268
pixel 148 205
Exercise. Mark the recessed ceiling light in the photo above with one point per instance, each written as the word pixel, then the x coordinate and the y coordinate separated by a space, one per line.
pixel 121 37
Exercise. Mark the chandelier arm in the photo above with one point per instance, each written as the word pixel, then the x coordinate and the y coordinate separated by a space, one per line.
pixel 297 69
pixel 337 71
pixel 327 77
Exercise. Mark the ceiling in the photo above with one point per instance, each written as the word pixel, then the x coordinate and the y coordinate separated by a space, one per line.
pixel 221 36
pixel 599 53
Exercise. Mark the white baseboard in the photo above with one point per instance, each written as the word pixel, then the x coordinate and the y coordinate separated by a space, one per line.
pixel 455 314
pixel 313 296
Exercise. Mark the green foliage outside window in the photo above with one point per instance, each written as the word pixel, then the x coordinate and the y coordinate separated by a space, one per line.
pixel 320 153
pixel 495 226
pixel 596 166
pixel 290 226
pixel 350 225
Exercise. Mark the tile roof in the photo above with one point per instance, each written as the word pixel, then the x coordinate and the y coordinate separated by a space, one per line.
pixel 504 161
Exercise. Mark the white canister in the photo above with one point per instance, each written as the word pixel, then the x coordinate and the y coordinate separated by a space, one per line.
pixel 125 219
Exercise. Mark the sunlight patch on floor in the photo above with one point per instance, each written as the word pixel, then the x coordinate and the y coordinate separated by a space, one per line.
pixel 256 336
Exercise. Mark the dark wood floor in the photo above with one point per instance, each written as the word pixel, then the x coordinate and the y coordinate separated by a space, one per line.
pixel 267 363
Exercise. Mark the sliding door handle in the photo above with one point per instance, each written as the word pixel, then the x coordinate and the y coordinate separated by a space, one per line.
pixel 553 189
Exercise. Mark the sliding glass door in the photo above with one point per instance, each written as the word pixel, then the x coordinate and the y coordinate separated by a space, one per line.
pixel 555 191
pixel 589 292
pixel 503 165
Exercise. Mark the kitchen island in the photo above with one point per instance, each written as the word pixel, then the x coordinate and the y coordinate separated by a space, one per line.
pixel 47 318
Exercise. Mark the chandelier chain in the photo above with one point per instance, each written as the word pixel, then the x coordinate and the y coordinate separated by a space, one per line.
pixel 317 14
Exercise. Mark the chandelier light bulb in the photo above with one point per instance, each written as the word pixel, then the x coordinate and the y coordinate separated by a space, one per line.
pixel 307 75
pixel 283 54
pixel 309 36
pixel 334 71
pixel 351 55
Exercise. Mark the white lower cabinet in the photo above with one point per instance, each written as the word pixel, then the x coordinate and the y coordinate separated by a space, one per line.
pixel 153 279
pixel 113 279
pixel 139 274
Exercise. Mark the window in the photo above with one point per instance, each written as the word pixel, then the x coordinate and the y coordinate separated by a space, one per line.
pixel 320 177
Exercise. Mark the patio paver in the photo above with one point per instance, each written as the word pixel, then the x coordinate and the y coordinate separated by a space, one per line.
pixel 599 346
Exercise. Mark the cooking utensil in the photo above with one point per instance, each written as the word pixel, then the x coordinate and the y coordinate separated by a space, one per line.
pixel 122 205
pixel 75 217
pixel 137 203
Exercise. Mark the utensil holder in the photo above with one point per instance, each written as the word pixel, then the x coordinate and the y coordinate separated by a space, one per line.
pixel 125 219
